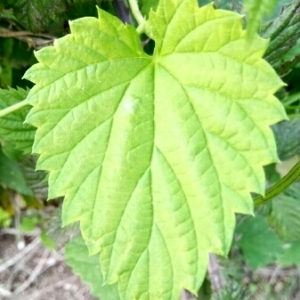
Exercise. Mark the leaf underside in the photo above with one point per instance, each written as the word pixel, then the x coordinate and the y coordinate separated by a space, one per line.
pixel 155 154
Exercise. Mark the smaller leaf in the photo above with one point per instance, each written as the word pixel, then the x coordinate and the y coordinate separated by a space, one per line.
pixel 256 10
pixel 287 135
pixel 258 243
pixel 35 179
pixel 291 254
pixel 29 223
pixel 37 15
pixel 11 175
pixel 285 214
pixel 47 241
pixel 88 268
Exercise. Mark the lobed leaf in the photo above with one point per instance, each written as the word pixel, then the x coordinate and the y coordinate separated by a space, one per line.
pixel 155 154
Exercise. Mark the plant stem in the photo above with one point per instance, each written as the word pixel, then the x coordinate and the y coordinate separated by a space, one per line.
pixel 280 186
pixel 12 108
pixel 137 15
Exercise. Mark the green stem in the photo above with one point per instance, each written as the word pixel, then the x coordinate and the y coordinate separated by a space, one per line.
pixel 12 108
pixel 137 15
pixel 280 186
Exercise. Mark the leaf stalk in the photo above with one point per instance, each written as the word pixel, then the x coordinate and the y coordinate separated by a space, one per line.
pixel 280 186
pixel 8 110
pixel 138 16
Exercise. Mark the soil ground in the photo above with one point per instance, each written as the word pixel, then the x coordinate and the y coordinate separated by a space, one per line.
pixel 36 273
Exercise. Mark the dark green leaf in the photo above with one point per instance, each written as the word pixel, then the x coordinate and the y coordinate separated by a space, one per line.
pixel 285 215
pixel 258 243
pixel 287 134
pixel 36 15
pixel 11 175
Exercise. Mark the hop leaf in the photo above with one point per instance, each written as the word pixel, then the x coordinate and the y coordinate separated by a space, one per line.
pixel 155 154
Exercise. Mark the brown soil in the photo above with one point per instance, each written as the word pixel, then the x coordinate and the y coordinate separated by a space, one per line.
pixel 36 273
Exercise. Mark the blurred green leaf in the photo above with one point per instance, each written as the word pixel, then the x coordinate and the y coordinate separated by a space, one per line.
pixel 29 223
pixel 284 32
pixel 88 268
pixel 47 241
pixel 285 214
pixel 37 15
pixel 256 11
pixel 287 135
pixel 290 255
pixel 205 291
pixel 4 217
pixel 35 179
pixel 6 45
pixel 258 243
pixel 11 175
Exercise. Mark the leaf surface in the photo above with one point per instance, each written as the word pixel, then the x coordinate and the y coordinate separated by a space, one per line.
pixel 155 154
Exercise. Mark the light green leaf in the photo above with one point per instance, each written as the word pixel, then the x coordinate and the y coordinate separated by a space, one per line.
pixel 155 154
pixel 258 243
pixel 257 10
pixel 14 134
pixel 88 268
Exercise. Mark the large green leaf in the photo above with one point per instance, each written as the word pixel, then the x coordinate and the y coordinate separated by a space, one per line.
pixel 13 132
pixel 89 269
pixel 155 154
